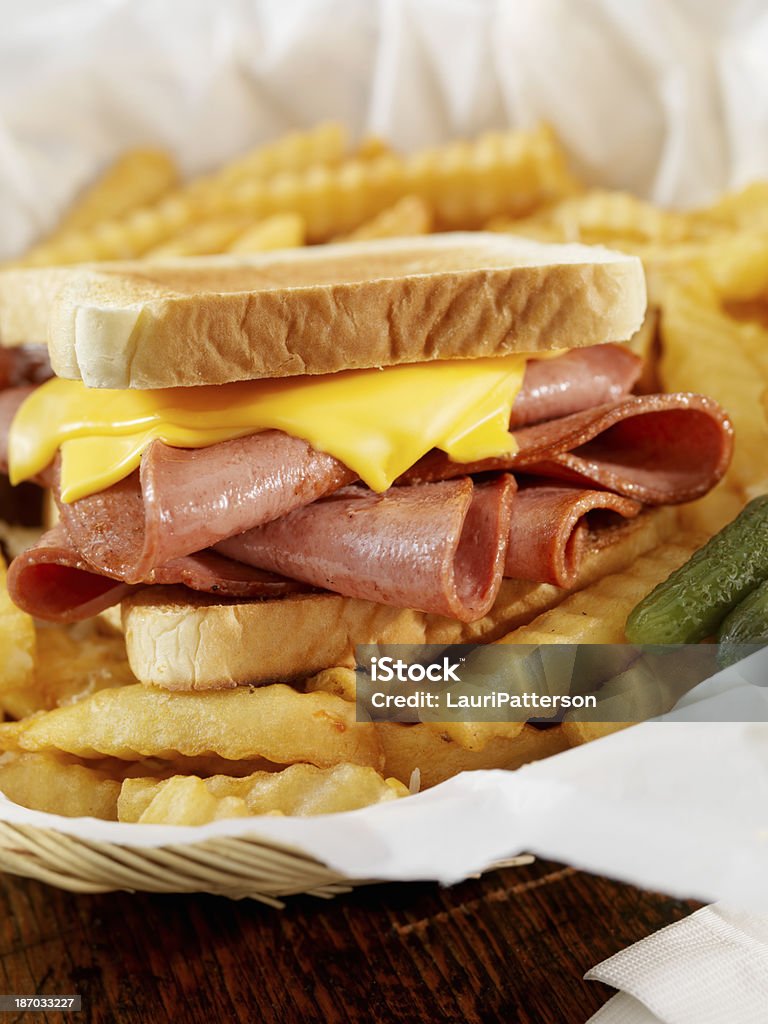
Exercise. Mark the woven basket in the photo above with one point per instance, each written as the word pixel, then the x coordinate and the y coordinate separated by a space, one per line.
pixel 236 867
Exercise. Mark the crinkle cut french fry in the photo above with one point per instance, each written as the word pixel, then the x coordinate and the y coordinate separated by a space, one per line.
pixel 527 227
pixel 465 183
pixel 47 782
pixel 705 351
pixel 282 231
pixel 71 663
pixel 738 265
pixel 577 733
pixel 598 216
pixel 746 208
pixel 476 736
pixel 711 513
pixel 74 662
pixel 300 789
pixel 180 800
pixel 157 768
pixel 370 147
pixel 646 688
pixel 120 238
pixel 10 734
pixel 339 681
pixel 138 177
pixel 408 216
pixel 325 144
pixel 467 735
pixel 213 235
pixel 436 757
pixel 598 614
pixel 273 722
pixel 148 226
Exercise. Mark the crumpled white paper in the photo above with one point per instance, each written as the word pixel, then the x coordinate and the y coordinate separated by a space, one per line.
pixel 667 97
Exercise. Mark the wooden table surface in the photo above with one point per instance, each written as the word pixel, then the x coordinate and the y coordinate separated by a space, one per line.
pixel 512 946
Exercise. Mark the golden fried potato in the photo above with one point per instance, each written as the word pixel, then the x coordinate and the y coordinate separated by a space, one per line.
pixel 577 733
pixel 745 208
pixel 76 661
pixel 372 146
pixel 136 229
pixel 598 614
pixel 72 662
pixel 711 513
pixel 600 217
pixel 213 235
pixel 408 216
pixel 437 757
pixel 738 265
pixel 138 177
pixel 282 231
pixel 705 351
pixel 476 736
pixel 180 800
pixel 339 681
pixel 324 145
pixel 464 183
pixel 273 722
pixel 301 789
pixel 48 782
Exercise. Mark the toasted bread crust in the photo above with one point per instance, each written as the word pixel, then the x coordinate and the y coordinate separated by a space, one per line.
pixel 183 641
pixel 320 310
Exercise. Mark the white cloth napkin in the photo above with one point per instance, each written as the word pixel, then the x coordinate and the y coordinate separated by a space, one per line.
pixel 711 968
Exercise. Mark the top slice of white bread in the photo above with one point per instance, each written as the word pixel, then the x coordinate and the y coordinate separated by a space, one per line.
pixel 211 320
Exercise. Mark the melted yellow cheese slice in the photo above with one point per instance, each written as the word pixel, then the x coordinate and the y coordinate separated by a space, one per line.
pixel 377 422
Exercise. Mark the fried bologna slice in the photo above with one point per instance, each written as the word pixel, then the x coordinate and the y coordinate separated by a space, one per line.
pixel 184 641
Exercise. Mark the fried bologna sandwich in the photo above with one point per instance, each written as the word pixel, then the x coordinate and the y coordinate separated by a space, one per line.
pixel 269 460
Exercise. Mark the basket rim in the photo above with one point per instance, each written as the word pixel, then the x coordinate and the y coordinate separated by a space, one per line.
pixel 444 834
pixel 236 867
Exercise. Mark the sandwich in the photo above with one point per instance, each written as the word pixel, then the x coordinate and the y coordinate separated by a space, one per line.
pixel 264 461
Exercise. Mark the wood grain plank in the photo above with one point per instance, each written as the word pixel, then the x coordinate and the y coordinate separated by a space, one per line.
pixel 511 946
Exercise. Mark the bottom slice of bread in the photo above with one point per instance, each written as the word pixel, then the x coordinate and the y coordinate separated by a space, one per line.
pixel 186 641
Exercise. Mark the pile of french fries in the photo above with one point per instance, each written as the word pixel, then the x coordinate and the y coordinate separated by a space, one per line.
pixel 82 737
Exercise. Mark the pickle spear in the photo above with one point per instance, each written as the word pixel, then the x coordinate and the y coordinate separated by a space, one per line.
pixel 692 603
pixel 746 624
